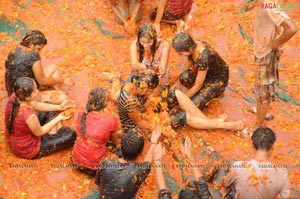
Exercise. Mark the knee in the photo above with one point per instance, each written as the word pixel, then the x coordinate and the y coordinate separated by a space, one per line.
pixel 68 133
pixel 172 99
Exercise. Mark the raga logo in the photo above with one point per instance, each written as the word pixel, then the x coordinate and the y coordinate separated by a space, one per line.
pixel 279 6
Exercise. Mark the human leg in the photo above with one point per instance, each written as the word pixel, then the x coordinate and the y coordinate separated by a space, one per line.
pixel 266 77
pixel 187 105
pixel 121 13
pixel 64 138
pixel 207 93
pixel 196 118
pixel 193 117
pixel 56 96
pixel 116 84
pixel 132 6
pixel 265 94
pixel 52 96
pixel 262 110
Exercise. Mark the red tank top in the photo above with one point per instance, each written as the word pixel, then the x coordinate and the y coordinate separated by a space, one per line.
pixel 177 7
pixel 88 151
pixel 22 142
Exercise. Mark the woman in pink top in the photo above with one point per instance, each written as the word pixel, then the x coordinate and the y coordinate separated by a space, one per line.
pixel 26 134
pixel 149 52
pixel 94 129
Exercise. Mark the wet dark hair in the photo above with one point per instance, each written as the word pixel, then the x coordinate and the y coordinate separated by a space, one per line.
pixel 263 138
pixel 147 31
pixel 132 145
pixel 34 37
pixel 23 88
pixel 183 42
pixel 146 78
pixel 96 102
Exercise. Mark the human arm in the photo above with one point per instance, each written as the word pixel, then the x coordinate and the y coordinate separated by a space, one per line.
pixel 137 113
pixel 135 10
pixel 201 75
pixel 117 12
pixel 289 30
pixel 160 12
pixel 186 149
pixel 164 59
pixel 164 192
pixel 229 179
pixel 38 130
pixel 134 58
pixel 154 141
pixel 40 77
pixel 200 183
pixel 42 106
pixel 286 185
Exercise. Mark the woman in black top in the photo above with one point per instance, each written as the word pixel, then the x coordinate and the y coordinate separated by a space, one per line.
pixel 122 178
pixel 25 61
pixel 206 74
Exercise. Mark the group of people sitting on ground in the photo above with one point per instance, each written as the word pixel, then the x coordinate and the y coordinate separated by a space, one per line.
pixel 33 114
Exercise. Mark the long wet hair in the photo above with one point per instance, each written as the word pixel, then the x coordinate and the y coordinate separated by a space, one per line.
pixel 147 78
pixel 183 42
pixel 132 145
pixel 149 32
pixel 96 102
pixel 23 88
pixel 263 138
pixel 34 37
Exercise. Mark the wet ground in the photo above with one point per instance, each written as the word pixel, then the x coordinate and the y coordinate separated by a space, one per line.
pixel 84 40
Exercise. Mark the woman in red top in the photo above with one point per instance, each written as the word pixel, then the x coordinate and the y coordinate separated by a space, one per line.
pixel 173 12
pixel 94 129
pixel 26 135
